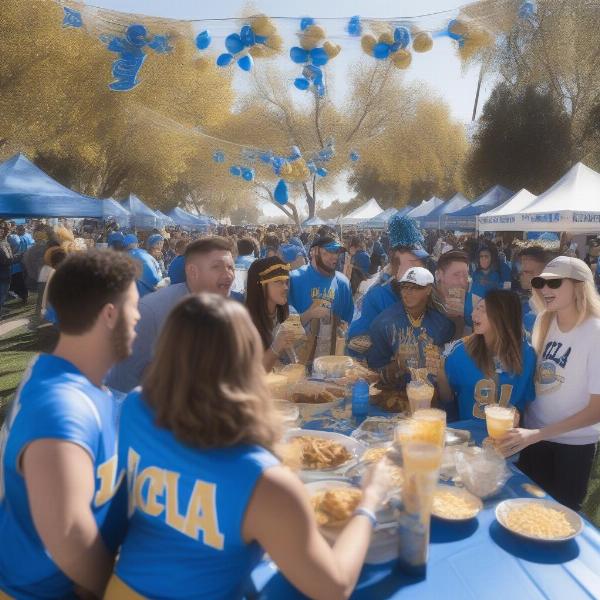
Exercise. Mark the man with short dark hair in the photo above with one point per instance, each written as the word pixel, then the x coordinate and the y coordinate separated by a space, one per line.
pixel 209 267
pixel 532 261
pixel 452 285
pixel 58 469
pixel 322 296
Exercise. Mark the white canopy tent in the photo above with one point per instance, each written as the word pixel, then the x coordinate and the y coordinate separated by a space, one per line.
pixel 367 211
pixel 498 218
pixel 423 209
pixel 572 204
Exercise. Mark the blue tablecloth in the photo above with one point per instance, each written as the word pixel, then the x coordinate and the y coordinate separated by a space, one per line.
pixel 478 560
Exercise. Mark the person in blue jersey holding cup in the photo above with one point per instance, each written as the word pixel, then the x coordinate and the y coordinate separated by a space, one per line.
pixel 58 470
pixel 207 494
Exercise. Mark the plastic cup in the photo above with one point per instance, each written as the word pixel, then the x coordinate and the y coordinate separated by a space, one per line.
pixel 429 425
pixel 420 395
pixel 499 419
pixel 421 457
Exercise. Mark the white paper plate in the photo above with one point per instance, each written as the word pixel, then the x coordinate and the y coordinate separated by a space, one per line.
pixel 459 492
pixel 506 506
pixel 355 448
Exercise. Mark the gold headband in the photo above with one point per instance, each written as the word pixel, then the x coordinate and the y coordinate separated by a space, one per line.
pixel 278 272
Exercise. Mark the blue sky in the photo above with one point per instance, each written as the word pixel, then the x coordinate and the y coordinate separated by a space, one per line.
pixel 439 69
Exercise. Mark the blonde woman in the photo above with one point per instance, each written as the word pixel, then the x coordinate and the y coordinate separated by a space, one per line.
pixel 558 446
pixel 206 493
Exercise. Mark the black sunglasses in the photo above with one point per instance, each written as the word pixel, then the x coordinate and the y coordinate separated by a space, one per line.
pixel 539 282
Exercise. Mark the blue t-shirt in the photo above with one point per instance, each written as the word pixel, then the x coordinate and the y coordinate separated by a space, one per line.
pixel 374 302
pixel 177 270
pixel 392 330
pixel 473 390
pixel 55 401
pixel 308 285
pixel 244 261
pixel 186 507
pixel 485 282
pixel 151 274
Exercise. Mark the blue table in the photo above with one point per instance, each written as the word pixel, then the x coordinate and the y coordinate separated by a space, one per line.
pixel 478 560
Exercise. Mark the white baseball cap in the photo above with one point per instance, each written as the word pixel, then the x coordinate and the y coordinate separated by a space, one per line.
pixel 567 267
pixel 418 275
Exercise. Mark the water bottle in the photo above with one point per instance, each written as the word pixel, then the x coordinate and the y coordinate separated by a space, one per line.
pixel 360 400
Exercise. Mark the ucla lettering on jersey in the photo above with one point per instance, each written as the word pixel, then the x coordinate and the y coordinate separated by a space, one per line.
pixel 54 401
pixel 186 510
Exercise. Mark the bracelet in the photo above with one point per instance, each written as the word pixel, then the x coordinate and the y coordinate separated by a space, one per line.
pixel 365 512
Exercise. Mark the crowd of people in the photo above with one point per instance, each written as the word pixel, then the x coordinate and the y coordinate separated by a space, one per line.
pixel 179 486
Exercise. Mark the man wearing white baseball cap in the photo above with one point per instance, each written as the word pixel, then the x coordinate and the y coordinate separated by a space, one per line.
pixel 557 448
pixel 410 332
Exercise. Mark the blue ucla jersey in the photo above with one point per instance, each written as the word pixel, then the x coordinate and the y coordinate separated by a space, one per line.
pixel 391 331
pixel 473 390
pixel 375 301
pixel 186 508
pixel 55 401
pixel 150 275
pixel 308 285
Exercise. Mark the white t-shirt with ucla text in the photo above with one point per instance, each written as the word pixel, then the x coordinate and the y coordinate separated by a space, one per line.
pixel 568 371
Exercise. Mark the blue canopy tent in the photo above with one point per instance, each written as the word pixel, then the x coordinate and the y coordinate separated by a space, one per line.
pixel 163 220
pixel 465 219
pixel 142 217
pixel 188 220
pixel 27 191
pixel 433 219
pixel 111 209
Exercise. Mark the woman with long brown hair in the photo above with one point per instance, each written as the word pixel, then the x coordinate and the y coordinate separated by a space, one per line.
pixel 557 449
pixel 494 365
pixel 267 302
pixel 206 493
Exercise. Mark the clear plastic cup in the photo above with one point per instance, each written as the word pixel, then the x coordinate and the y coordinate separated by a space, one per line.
pixel 499 419
pixel 420 395
pixel 429 425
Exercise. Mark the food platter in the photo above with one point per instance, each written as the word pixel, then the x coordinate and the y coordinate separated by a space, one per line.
pixel 539 520
pixel 323 446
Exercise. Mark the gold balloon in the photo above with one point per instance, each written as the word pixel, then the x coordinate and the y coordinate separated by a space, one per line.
pixel 262 25
pixel 422 42
pixel 386 38
pixel 402 59
pixel 311 37
pixel 367 43
pixel 332 50
pixel 286 170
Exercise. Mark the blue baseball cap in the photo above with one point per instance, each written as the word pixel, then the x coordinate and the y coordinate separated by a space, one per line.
pixel 130 238
pixel 116 239
pixel 290 252
pixel 154 240
pixel 329 243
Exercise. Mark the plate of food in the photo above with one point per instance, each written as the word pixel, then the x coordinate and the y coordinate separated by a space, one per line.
pixel 539 520
pixel 333 502
pixel 452 503
pixel 314 398
pixel 313 452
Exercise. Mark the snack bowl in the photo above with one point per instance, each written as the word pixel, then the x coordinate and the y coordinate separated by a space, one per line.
pixel 568 516
pixel 315 391
pixel 331 367
pixel 467 505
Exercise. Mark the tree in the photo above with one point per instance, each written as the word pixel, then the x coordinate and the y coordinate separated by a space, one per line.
pixel 523 141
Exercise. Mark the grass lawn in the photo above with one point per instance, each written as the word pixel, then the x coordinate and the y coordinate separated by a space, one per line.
pixel 20 346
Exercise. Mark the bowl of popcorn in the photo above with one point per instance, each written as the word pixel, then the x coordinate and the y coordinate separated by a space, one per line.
pixel 452 503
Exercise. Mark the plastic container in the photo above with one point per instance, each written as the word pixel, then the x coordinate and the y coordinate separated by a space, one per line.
pixel 331 367
pixel 360 400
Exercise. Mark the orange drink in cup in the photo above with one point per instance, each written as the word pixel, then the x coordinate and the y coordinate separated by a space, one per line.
pixel 499 419
pixel 429 425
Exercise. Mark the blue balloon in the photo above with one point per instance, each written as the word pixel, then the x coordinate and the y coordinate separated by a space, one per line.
pixel 296 154
pixel 281 192
pixel 203 40
pixel 298 55
pixel 224 60
pixel 454 36
pixel 235 171
pixel 245 63
pixel 306 22
pixel 248 174
pixel 266 157
pixel 354 156
pixel 381 51
pixel 302 83
pixel 219 156
pixel 233 43
pixel 402 36
pixel 318 57
pixel 322 172
pixel 261 39
pixel 136 35
pixel 354 27
pixel 247 36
